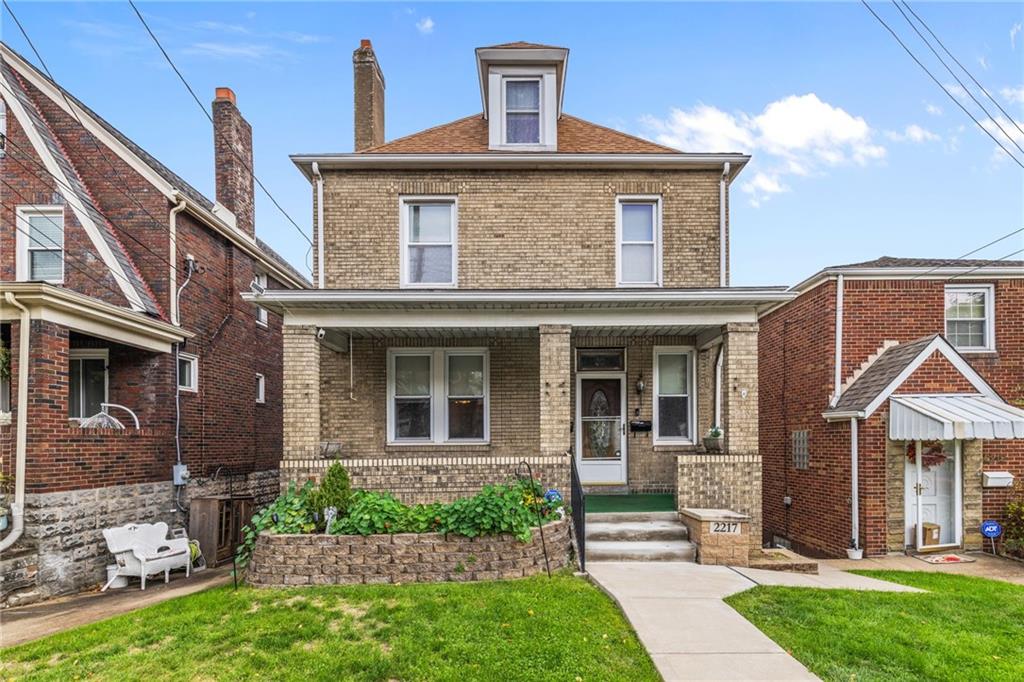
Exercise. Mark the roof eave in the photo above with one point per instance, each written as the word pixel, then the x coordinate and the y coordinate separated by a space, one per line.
pixel 975 272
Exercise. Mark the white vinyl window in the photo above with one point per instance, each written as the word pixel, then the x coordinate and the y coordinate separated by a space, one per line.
pixel 40 243
pixel 522 110
pixel 261 312
pixel 188 372
pixel 429 236
pixel 970 317
pixel 87 382
pixel 3 129
pixel 638 233
pixel 438 395
pixel 261 389
pixel 675 405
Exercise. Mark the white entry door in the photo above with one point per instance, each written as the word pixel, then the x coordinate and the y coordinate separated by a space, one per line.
pixel 933 495
pixel 601 427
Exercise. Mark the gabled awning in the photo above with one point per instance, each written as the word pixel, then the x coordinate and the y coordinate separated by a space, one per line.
pixel 945 417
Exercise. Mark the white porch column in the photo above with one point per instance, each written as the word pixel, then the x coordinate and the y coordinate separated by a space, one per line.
pixel 301 394
pixel 555 410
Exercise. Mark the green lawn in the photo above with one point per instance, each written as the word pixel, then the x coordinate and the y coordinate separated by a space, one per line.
pixel 531 629
pixel 963 629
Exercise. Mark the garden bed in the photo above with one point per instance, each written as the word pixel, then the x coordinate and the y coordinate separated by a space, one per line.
pixel 320 559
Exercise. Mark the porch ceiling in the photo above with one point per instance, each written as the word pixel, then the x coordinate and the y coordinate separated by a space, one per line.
pixel 520 332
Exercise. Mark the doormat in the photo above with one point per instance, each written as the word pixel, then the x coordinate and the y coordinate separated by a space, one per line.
pixel 944 558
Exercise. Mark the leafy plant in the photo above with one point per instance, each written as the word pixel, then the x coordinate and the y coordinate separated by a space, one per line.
pixel 5 362
pixel 1013 531
pixel 290 514
pixel 715 432
pixel 371 513
pixel 335 490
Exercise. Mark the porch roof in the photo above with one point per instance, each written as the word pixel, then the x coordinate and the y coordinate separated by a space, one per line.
pixel 945 417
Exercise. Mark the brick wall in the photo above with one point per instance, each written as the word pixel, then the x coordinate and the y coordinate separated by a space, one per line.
pixel 521 229
pixel 727 481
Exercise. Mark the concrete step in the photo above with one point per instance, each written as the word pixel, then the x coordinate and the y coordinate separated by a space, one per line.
pixel 642 550
pixel 631 517
pixel 636 530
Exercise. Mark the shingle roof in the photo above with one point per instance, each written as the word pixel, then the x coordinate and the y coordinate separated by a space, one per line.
pixel 470 136
pixel 880 374
pixel 893 262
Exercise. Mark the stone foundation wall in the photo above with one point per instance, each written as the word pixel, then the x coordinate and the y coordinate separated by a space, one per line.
pixel 724 481
pixel 415 480
pixel 286 560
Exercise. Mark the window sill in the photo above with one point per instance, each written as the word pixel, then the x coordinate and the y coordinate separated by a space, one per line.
pixel 639 285
pixel 432 285
pixel 663 446
pixel 435 444
pixel 977 351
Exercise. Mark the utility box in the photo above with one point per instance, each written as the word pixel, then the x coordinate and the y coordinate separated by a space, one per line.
pixel 997 479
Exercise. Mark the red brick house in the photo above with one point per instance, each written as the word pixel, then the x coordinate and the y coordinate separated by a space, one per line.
pixel 97 239
pixel 908 373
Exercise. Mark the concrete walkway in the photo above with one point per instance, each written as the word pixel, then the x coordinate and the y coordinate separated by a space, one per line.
pixel 25 623
pixel 983 566
pixel 677 610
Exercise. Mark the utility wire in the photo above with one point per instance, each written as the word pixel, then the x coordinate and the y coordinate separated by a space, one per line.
pixel 957 78
pixel 937 82
pixel 210 117
pixel 989 264
pixel 969 253
pixel 980 86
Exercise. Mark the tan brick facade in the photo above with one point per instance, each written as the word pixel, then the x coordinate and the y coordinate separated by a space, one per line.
pixel 301 393
pixel 555 389
pixel 739 389
pixel 728 481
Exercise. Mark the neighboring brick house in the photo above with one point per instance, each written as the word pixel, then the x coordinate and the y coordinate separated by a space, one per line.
pixel 521 284
pixel 97 236
pixel 922 350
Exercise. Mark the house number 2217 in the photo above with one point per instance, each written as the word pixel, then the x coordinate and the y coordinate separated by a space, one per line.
pixel 730 527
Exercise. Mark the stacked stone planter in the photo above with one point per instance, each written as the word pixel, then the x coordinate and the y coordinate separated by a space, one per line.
pixel 286 560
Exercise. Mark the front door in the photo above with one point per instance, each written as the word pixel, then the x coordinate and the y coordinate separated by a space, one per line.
pixel 601 427
pixel 934 506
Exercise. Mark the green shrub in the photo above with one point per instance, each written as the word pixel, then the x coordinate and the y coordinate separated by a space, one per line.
pixel 335 490
pixel 294 514
pixel 1013 538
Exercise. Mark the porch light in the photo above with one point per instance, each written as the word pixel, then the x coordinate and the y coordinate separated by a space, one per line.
pixel 640 385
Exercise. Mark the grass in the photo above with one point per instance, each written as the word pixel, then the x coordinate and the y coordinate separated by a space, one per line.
pixel 597 504
pixel 531 629
pixel 964 628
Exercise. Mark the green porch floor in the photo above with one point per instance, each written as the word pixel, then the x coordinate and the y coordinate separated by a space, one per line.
pixel 599 504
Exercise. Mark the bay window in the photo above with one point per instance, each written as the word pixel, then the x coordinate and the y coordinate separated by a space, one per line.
pixel 429 227
pixel 437 395
pixel 674 395
pixel 638 252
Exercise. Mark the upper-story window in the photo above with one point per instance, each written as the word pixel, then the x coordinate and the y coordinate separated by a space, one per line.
pixel 261 312
pixel 638 252
pixel 429 228
pixel 522 110
pixel 970 319
pixel 40 244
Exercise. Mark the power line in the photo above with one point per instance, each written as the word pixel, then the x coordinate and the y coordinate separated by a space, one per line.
pixel 969 253
pixel 1006 257
pixel 937 82
pixel 957 78
pixel 210 117
pixel 980 86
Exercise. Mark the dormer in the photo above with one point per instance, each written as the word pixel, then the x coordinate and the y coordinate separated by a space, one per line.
pixel 522 87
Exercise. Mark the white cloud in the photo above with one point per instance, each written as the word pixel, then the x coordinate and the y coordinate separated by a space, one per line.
pixel 913 133
pixel 1014 30
pixel 983 61
pixel 1012 94
pixel 797 135
pixel 252 51
pixel 956 90
pixel 933 109
pixel 425 25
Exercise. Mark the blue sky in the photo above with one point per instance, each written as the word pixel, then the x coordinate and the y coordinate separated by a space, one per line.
pixel 856 152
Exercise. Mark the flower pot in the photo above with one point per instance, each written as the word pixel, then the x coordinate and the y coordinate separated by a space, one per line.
pixel 712 444
pixel 855 554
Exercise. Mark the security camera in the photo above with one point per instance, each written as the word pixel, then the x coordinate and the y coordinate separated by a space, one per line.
pixel 321 333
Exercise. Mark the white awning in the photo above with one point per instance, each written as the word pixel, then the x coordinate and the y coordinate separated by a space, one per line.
pixel 945 417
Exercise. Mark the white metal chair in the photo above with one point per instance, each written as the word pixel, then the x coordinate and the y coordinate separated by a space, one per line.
pixel 143 549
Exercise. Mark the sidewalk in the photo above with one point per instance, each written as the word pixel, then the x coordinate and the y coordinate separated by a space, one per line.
pixel 25 623
pixel 983 566
pixel 677 610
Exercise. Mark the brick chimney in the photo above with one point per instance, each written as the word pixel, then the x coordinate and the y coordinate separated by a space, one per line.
pixel 232 153
pixel 368 86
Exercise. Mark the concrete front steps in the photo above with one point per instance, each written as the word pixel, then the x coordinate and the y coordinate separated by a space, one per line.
pixel 638 536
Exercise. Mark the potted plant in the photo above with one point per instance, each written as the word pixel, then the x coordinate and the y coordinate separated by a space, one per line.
pixel 713 441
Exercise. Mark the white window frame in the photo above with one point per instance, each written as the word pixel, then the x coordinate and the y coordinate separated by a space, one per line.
pixel 438 396
pixel 620 200
pixel 990 317
pixel 91 354
pixel 261 312
pixel 691 352
pixel 3 129
pixel 497 134
pixel 539 80
pixel 404 209
pixel 261 389
pixel 22 241
pixel 193 370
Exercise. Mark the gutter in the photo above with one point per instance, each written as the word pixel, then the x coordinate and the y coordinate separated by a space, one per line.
pixel 923 273
pixel 723 265
pixel 319 227
pixel 172 228
pixel 18 507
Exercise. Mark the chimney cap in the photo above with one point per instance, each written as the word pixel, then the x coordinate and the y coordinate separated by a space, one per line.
pixel 226 94
pixel 365 44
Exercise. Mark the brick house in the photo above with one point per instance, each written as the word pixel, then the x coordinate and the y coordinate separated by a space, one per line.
pixel 520 284
pixel 913 369
pixel 97 237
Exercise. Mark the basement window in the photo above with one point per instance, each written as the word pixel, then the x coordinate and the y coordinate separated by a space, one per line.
pixel 800 441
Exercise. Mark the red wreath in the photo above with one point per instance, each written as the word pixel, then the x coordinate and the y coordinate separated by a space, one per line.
pixel 932 453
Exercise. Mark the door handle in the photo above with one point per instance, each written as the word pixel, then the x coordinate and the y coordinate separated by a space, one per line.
pixel 623 425
pixel 918 488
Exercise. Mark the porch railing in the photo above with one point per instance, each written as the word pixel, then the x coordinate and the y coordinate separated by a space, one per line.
pixel 578 507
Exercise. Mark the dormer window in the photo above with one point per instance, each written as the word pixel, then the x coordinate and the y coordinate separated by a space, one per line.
pixel 522 110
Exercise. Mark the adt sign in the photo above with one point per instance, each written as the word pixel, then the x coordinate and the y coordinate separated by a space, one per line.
pixel 991 529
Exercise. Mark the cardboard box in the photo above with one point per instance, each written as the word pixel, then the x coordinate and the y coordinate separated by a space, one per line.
pixel 930 534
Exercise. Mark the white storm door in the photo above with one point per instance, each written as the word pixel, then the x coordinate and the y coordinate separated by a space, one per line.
pixel 601 427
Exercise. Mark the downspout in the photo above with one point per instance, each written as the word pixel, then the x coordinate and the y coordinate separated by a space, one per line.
pixel 837 375
pixel 18 507
pixel 854 489
pixel 723 246
pixel 718 385
pixel 172 230
pixel 319 225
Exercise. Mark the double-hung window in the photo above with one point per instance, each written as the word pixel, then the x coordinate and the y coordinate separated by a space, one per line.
pixel 437 395
pixel 522 110
pixel 40 243
pixel 638 228
pixel 87 382
pixel 970 317
pixel 674 403
pixel 188 372
pixel 429 227
pixel 261 312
